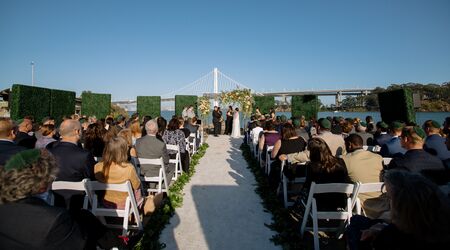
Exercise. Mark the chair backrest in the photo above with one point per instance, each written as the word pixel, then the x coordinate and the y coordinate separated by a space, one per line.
pixel 386 160
pixel 365 188
pixel 69 185
pixel 156 161
pixel 162 173
pixel 173 147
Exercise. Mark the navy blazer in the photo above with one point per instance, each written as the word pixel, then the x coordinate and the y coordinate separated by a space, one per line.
pixel 8 149
pixel 382 139
pixel 392 148
pixel 416 160
pixel 435 145
pixel 74 163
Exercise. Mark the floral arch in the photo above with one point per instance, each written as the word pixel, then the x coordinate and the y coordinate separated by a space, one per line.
pixel 242 97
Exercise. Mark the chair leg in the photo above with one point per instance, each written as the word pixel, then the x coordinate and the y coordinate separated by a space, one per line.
pixel 315 226
pixel 285 194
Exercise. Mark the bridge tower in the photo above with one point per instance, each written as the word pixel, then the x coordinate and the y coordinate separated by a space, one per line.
pixel 216 86
pixel 338 99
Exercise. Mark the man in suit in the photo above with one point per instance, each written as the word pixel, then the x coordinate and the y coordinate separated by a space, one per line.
pixel 7 146
pixel 74 162
pixel 335 143
pixel 393 146
pixel 24 135
pixel 150 147
pixel 365 167
pixel 382 136
pixel 435 143
pixel 217 115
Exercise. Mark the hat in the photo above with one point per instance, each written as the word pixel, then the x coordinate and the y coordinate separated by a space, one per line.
pixel 397 125
pixel 419 131
pixel 283 118
pixel 325 123
pixel 435 124
pixel 22 159
pixel 383 125
pixel 363 124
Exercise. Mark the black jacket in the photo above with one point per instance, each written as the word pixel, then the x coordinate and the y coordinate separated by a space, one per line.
pixel 8 149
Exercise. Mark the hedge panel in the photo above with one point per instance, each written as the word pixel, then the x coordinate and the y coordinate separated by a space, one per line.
pixel 95 104
pixel 182 101
pixel 265 103
pixel 397 105
pixel 149 105
pixel 27 100
pixel 306 105
pixel 62 103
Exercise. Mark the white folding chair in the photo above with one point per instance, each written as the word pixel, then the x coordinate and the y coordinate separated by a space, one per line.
pixel 193 143
pixel 386 160
pixel 177 160
pixel 131 207
pixel 311 208
pixel 160 179
pixel 365 188
pixel 200 137
pixel 268 159
pixel 284 183
pixel 69 185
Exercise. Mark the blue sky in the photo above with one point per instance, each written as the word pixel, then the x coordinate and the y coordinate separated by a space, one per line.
pixel 130 48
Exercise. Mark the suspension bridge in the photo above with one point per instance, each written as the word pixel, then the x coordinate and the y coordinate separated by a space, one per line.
pixel 215 82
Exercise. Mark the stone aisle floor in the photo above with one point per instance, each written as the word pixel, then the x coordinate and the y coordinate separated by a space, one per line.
pixel 220 208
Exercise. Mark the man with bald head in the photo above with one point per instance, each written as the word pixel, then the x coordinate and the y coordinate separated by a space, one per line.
pixel 8 147
pixel 150 147
pixel 24 136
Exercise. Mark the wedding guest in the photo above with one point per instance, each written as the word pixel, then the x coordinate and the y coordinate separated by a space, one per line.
pixel 393 147
pixel 47 132
pixel 434 142
pixel 145 119
pixel 126 134
pixel 174 136
pixel 186 131
pixel 136 131
pixel 381 136
pixel 162 126
pixel 94 139
pixel 190 112
pixel 269 137
pixel 217 117
pixel 229 121
pixel 7 146
pixel 25 136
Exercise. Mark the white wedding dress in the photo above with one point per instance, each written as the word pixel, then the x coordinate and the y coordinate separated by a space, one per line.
pixel 236 129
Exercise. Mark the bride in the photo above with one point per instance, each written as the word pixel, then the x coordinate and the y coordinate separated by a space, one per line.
pixel 236 131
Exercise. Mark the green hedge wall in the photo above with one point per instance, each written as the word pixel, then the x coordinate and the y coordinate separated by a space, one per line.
pixel 397 105
pixel 27 100
pixel 307 105
pixel 95 104
pixel 149 105
pixel 265 103
pixel 185 100
pixel 62 103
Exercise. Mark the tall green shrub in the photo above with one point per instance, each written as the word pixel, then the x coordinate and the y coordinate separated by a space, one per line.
pixel 397 105
pixel 307 105
pixel 95 104
pixel 265 103
pixel 62 103
pixel 182 101
pixel 149 105
pixel 27 100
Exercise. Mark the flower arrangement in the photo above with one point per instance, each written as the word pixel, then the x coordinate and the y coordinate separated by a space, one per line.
pixel 204 106
pixel 243 97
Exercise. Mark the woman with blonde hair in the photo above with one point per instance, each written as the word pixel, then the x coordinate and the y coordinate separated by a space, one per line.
pixel 136 131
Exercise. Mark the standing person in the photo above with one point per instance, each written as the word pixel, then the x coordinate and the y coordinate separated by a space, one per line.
pixel 236 132
pixel 216 120
pixel 184 112
pixel 229 121
pixel 190 112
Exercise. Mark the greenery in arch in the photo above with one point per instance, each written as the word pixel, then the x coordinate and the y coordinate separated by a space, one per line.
pixel 242 97
pixel 204 106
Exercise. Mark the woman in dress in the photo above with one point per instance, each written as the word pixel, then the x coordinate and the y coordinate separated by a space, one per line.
pixel 175 136
pixel 236 131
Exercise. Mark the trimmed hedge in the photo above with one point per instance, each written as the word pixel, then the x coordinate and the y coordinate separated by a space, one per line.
pixel 265 103
pixel 182 101
pixel 397 105
pixel 62 103
pixel 307 105
pixel 95 104
pixel 27 100
pixel 149 105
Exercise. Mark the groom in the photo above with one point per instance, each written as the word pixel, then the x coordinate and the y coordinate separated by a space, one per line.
pixel 217 115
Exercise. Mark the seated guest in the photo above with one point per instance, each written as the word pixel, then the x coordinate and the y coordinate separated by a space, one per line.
pixel 381 136
pixel 365 167
pixel 255 133
pixel 420 217
pixel 93 139
pixel 47 132
pixel 136 131
pixel 325 168
pixel 126 134
pixel 174 136
pixel 415 159
pixel 193 127
pixel 434 142
pixel 393 147
pixel 150 147
pixel 8 147
pixel 268 138
pixel 24 136
pixel 162 125
pixel 300 128
pixel 186 131
pixel 120 122
pixel 115 168
pixel 145 119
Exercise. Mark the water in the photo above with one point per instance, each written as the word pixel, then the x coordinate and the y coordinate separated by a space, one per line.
pixel 421 117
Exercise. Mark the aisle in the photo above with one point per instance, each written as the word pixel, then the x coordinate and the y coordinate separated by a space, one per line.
pixel 220 209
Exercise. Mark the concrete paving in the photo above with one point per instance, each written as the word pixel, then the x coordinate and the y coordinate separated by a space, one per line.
pixel 220 208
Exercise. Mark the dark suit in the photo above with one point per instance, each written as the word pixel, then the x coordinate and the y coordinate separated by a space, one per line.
pixel 25 140
pixel 416 160
pixel 381 139
pixel 151 148
pixel 435 145
pixel 216 122
pixel 32 224
pixel 8 149
pixel 392 148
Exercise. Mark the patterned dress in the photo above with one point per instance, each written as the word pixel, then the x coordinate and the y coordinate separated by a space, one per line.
pixel 175 137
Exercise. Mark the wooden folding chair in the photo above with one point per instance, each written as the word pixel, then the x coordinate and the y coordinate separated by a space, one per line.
pixel 311 209
pixel 131 208
pixel 176 161
pixel 160 179
pixel 66 186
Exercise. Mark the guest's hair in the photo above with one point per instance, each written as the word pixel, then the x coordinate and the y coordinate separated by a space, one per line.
pixel 288 131
pixel 428 124
pixel 116 151
pixel 412 135
pixel 174 124
pixel 6 126
pixel 110 133
pixel 418 206
pixel 162 124
pixel 269 126
pixel 47 129
pixel 320 154
pixel 135 128
pixel 126 134
pixel 355 139
pixel 181 121
pixel 193 120
pixel 16 184
pixel 151 127
pixel 347 127
pixel 94 139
